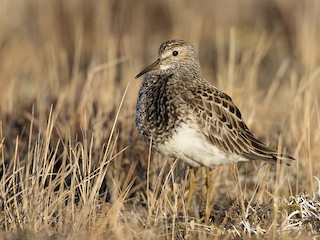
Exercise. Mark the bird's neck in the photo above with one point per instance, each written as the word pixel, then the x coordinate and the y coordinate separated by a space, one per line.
pixel 189 72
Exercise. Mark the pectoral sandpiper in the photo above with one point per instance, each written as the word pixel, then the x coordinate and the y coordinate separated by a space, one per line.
pixel 187 118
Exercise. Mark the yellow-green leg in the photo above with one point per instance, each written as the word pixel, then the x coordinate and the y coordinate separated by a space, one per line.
pixel 192 183
pixel 208 200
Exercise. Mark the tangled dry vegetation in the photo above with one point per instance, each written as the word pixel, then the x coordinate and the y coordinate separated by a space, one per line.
pixel 72 163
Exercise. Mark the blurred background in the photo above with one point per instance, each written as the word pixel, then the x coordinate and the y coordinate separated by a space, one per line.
pixel 47 44
pixel 78 56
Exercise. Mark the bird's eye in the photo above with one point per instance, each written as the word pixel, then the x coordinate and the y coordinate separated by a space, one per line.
pixel 175 53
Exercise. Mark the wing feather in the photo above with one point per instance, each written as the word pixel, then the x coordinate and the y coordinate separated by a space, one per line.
pixel 221 122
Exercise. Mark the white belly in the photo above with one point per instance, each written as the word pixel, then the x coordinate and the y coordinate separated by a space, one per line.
pixel 190 145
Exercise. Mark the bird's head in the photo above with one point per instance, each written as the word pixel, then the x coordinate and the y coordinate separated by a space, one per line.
pixel 174 56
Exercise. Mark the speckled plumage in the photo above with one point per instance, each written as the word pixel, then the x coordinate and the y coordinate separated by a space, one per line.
pixel 191 119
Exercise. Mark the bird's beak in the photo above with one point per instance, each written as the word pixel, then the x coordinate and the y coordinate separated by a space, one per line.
pixel 153 66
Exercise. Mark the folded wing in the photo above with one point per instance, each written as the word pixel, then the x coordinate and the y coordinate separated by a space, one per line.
pixel 222 124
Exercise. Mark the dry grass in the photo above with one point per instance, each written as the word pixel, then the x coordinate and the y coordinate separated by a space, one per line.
pixel 72 163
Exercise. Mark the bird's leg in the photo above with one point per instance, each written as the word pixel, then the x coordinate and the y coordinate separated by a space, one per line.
pixel 192 183
pixel 209 189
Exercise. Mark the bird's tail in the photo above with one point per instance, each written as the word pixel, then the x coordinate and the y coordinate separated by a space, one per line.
pixel 260 151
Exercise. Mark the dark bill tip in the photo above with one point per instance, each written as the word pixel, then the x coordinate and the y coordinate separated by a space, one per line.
pixel 153 66
pixel 139 75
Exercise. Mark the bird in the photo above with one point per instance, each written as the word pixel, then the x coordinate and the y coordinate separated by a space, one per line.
pixel 184 116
